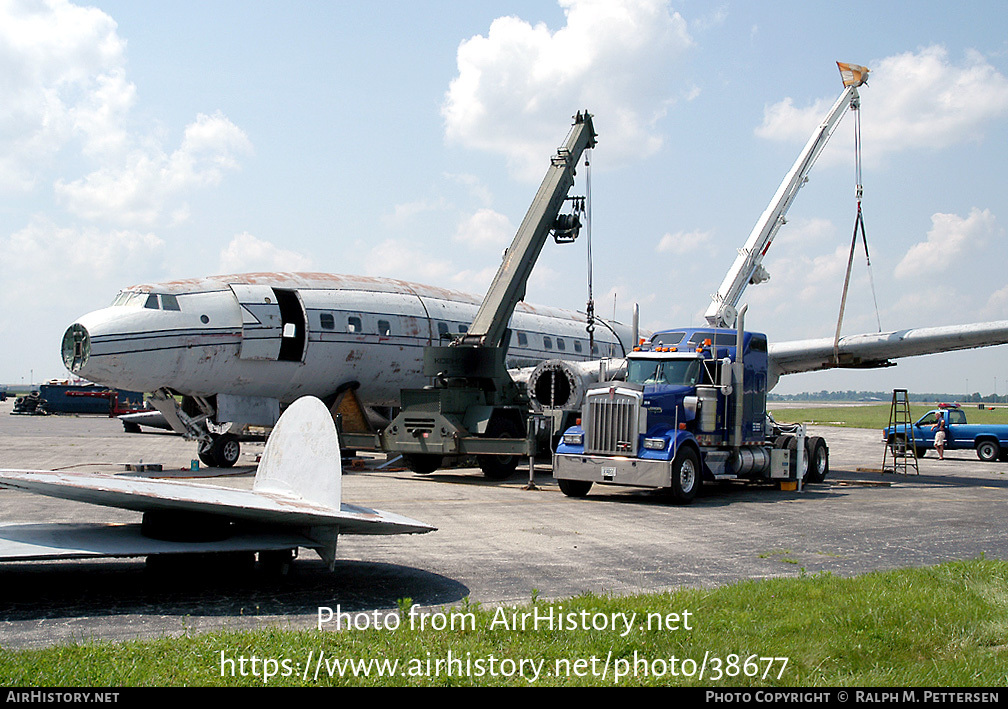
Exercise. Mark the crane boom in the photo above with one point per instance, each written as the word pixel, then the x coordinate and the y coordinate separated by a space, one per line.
pixel 747 267
pixel 473 406
pixel 508 288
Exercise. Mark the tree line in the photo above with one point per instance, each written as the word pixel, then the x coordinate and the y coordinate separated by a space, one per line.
pixel 869 396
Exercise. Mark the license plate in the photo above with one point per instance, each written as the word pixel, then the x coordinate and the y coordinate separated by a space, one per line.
pixel 608 473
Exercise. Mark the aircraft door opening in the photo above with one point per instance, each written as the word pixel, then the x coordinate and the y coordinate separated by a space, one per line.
pixel 274 324
pixel 295 325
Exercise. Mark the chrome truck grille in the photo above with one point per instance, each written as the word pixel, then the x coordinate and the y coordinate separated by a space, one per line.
pixel 611 419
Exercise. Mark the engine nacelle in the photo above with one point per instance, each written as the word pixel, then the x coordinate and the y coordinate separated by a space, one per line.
pixel 559 384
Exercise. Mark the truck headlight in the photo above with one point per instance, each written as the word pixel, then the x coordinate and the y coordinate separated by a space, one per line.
pixel 573 439
pixel 654 444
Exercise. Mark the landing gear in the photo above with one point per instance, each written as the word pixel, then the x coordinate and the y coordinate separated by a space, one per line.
pixel 222 452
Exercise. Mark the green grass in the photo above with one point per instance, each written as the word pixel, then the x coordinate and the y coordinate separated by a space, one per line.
pixel 939 626
pixel 873 415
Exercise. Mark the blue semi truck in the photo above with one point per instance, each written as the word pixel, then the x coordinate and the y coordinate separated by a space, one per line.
pixel 691 409
pixel 989 440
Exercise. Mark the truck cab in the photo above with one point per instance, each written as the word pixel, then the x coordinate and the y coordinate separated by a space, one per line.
pixel 692 407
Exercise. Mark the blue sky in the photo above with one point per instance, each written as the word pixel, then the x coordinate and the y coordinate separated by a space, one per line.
pixel 150 141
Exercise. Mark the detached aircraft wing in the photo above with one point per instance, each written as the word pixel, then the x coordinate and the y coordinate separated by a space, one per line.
pixel 295 501
pixel 873 350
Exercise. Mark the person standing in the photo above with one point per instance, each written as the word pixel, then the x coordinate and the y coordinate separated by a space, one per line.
pixel 940 435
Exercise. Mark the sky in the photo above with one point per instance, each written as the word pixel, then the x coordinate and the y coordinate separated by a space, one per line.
pixel 143 142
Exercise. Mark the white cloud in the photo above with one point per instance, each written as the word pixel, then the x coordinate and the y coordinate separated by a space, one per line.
pixel 147 182
pixel 403 214
pixel 474 281
pixel 520 83
pixel 403 258
pixel 55 273
pixel 950 237
pixel 913 100
pixel 713 18
pixel 683 242
pixel 61 76
pixel 475 186
pixel 246 253
pixel 44 247
pixel 486 228
pixel 997 305
pixel 66 96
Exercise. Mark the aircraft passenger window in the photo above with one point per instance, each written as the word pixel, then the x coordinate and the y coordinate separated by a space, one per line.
pixel 327 321
pixel 384 328
pixel 463 329
pixel 547 343
pixel 561 345
pixel 442 330
pixel 577 345
pixel 595 350
pixel 354 324
pixel 169 302
pixel 522 339
pixel 151 303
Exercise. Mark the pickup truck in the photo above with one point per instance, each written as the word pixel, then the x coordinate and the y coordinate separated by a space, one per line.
pixel 990 440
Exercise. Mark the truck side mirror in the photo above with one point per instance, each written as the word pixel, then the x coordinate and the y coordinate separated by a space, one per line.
pixel 726 376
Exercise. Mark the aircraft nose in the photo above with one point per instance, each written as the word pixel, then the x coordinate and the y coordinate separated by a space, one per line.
pixel 76 347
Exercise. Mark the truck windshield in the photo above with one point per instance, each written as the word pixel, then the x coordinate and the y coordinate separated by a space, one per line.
pixel 664 371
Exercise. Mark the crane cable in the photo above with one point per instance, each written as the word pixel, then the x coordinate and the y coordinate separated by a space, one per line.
pixel 858 224
pixel 590 312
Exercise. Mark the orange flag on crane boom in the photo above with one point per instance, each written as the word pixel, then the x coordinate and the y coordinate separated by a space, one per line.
pixel 853 74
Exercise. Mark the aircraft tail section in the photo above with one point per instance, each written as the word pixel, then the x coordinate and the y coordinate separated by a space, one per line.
pixel 302 456
pixel 295 501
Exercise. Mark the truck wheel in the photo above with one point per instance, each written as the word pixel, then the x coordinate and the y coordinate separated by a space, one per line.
pixel 499 467
pixel 422 463
pixel 817 455
pixel 920 451
pixel 792 445
pixel 988 451
pixel 685 476
pixel 574 488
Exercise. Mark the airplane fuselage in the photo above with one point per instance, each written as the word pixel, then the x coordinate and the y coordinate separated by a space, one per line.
pixel 286 335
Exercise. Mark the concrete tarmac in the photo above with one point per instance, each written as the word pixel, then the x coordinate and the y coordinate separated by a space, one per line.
pixel 496 542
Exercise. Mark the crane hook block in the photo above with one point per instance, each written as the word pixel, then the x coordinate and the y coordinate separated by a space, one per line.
pixel 566 228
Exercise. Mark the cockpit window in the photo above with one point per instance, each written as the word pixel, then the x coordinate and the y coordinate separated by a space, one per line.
pixel 131 299
pixel 663 371
pixel 151 301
